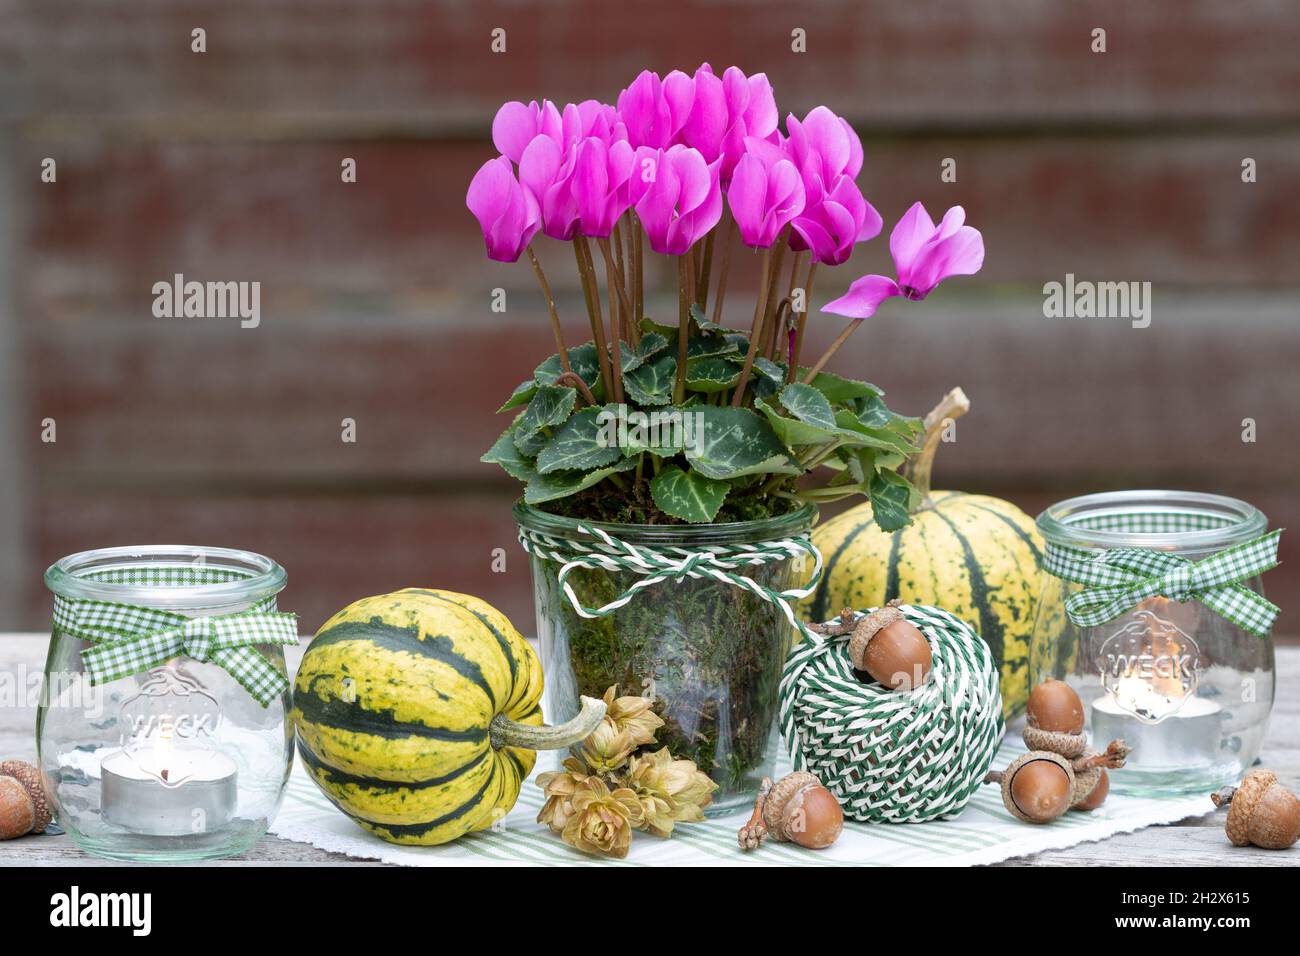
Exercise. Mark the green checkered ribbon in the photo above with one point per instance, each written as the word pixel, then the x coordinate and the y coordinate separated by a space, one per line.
pixel 725 563
pixel 1118 579
pixel 127 639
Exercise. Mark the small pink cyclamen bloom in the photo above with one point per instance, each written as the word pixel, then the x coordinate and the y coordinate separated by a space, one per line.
pixel 653 111
pixel 677 195
pixel 506 210
pixel 599 185
pixel 764 197
pixel 547 171
pixel 824 147
pixel 924 255
pixel 831 226
pixel 517 125
pixel 727 110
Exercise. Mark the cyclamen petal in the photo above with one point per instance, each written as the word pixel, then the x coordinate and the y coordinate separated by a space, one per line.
pixel 764 199
pixel 924 255
pixel 506 210
pixel 678 196
pixel 864 297
pixel 910 233
pixel 516 124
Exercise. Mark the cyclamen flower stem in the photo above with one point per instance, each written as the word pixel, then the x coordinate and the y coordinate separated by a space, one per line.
pixel 638 272
pixel 550 303
pixel 573 379
pixel 621 265
pixel 616 343
pixel 778 257
pixel 801 323
pixel 582 253
pixel 834 347
pixel 760 309
pixel 683 324
pixel 728 228
pixel 705 273
pixel 775 330
pixel 613 277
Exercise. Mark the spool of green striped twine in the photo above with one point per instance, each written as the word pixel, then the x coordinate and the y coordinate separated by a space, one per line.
pixel 895 756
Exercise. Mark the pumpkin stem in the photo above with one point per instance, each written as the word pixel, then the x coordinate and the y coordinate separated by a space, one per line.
pixel 953 406
pixel 504 732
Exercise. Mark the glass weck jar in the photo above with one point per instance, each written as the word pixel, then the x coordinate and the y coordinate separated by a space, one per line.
pixel 1152 609
pixel 161 727
pixel 707 650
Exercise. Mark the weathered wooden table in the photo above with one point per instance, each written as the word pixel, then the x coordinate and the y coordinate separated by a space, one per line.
pixel 1196 842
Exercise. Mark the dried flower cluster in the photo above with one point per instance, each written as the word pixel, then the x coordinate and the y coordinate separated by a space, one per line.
pixel 615 786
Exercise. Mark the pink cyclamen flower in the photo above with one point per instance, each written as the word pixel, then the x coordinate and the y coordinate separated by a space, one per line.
pixel 832 225
pixel 824 147
pixel 924 255
pixel 598 184
pixel 764 196
pixel 547 172
pixel 506 209
pixel 836 215
pixel 677 195
pixel 653 111
pixel 516 125
pixel 725 111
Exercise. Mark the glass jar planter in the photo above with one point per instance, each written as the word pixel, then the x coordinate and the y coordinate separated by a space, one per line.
pixel 1185 687
pixel 177 761
pixel 709 653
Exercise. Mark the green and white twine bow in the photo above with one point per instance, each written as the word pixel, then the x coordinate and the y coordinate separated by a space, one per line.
pixel 1118 579
pixel 127 639
pixel 721 562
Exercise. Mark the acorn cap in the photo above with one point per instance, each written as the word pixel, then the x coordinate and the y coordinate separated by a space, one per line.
pixel 1010 772
pixel 1085 781
pixel 782 792
pixel 30 778
pixel 869 627
pixel 1244 800
pixel 1058 742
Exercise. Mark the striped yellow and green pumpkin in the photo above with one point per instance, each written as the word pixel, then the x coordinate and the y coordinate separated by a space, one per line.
pixel 418 712
pixel 975 556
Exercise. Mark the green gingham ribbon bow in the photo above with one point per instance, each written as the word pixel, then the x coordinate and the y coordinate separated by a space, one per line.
pixel 129 639
pixel 1120 578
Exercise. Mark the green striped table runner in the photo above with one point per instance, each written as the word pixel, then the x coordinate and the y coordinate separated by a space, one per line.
pixel 983 833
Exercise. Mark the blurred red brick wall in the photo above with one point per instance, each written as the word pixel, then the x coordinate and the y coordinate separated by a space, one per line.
pixel 375 295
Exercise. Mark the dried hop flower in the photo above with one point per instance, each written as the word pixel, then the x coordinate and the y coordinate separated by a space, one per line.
pixel 602 821
pixel 669 791
pixel 559 788
pixel 633 716
pixel 629 723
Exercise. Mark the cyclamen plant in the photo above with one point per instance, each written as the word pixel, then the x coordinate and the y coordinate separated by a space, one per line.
pixel 694 421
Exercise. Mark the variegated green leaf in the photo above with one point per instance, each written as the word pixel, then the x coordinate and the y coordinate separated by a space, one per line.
pixel 589 439
pixel 687 494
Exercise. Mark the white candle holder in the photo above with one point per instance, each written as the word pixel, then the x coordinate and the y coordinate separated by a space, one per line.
pixel 1186 688
pixel 178 761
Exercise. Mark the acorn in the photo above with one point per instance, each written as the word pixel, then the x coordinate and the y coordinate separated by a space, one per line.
pixel 1054 719
pixel 23 806
pixel 890 649
pixel 1261 812
pixel 796 809
pixel 1040 785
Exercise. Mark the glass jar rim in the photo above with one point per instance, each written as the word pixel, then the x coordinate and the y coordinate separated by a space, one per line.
pixel 731 532
pixel 1213 521
pixel 262 577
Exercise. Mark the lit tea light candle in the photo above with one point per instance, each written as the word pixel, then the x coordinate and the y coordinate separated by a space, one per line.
pixel 168 791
